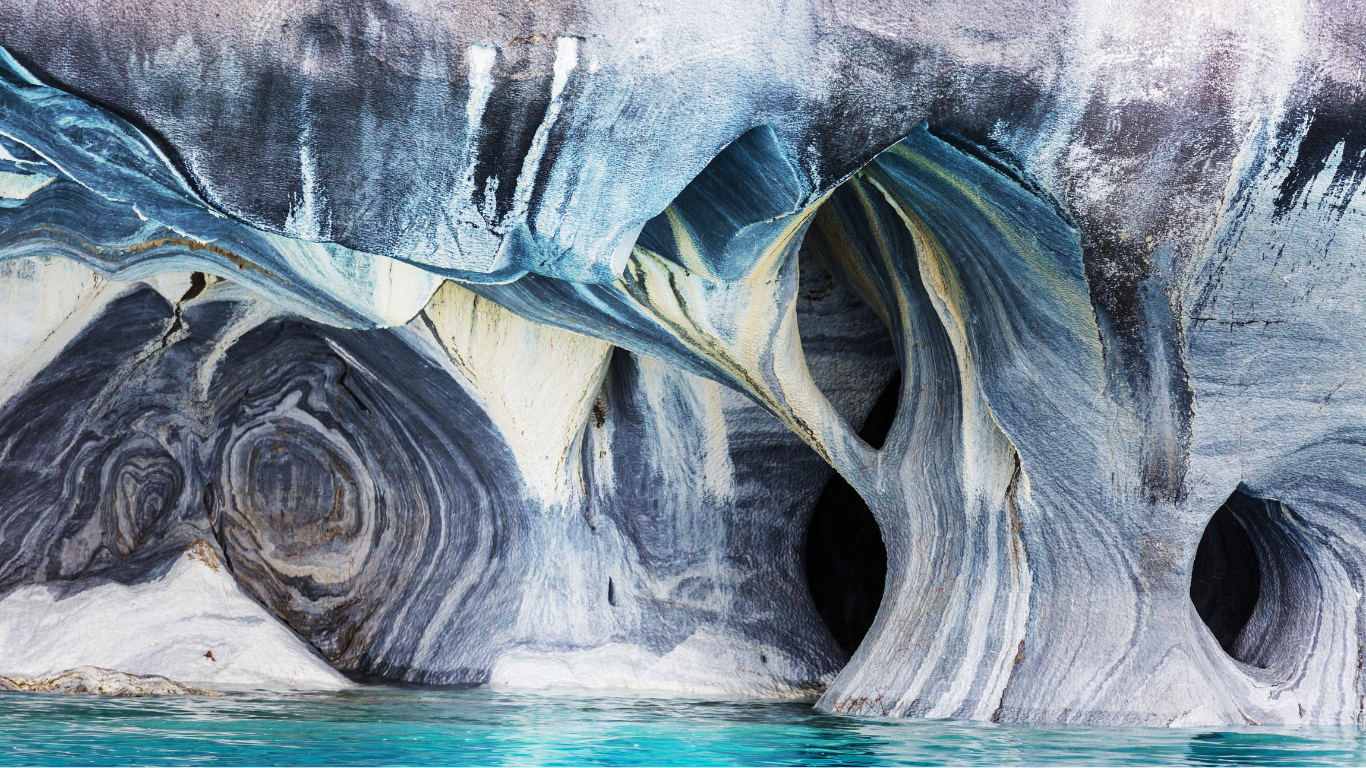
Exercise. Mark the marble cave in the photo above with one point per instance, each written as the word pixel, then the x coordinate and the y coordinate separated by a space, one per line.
pixel 1000 362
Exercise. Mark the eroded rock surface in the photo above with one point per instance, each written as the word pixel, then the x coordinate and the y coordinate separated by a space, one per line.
pixel 516 345
pixel 103 682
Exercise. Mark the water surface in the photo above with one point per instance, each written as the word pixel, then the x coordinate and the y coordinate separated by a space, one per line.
pixel 391 725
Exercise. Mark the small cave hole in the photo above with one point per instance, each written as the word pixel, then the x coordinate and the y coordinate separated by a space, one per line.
pixel 1226 580
pixel 846 560
pixel 853 360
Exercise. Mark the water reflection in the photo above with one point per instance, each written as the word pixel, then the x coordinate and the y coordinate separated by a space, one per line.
pixel 1309 746
pixel 388 725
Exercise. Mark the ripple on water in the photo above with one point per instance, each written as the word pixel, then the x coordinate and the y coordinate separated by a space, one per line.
pixel 391 725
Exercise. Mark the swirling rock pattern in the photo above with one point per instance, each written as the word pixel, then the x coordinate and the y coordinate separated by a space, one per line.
pixel 1115 250
pixel 362 486
pixel 95 470
pixel 374 513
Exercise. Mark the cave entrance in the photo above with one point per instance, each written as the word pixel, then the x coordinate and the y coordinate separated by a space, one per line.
pixel 846 560
pixel 1226 580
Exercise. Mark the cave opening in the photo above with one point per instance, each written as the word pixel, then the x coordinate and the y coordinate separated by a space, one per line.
pixel 1226 579
pixel 846 560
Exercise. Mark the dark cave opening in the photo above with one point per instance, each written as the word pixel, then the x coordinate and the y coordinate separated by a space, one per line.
pixel 1226 580
pixel 846 560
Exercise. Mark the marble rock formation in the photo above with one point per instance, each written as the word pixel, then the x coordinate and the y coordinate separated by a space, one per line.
pixel 103 682
pixel 585 343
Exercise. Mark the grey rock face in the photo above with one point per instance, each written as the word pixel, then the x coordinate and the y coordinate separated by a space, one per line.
pixel 358 486
pixel 369 511
pixel 517 344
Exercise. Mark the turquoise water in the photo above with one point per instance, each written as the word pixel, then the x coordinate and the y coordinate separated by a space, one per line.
pixel 385 725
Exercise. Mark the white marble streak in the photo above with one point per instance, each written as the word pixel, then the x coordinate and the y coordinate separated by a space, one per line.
pixel 44 304
pixel 193 624
pixel 538 382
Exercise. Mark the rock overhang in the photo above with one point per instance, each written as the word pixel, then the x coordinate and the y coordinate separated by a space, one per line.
pixel 1116 265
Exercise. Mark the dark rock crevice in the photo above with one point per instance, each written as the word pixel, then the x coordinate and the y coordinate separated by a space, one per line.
pixel 846 559
pixel 1226 579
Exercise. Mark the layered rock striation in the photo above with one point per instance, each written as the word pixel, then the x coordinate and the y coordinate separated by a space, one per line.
pixel 521 346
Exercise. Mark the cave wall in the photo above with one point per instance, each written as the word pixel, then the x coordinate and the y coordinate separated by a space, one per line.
pixel 385 498
pixel 517 345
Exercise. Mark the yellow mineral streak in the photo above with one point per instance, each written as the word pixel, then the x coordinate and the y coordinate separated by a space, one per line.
pixel 539 382
pixel 746 330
